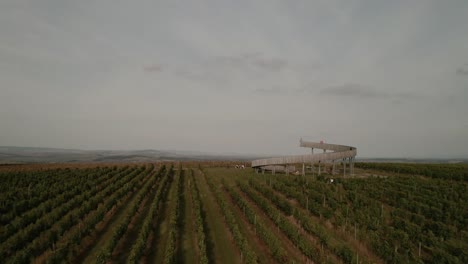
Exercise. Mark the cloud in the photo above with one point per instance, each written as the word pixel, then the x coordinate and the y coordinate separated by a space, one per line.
pixel 252 60
pixel 463 70
pixel 223 70
pixel 275 90
pixel 360 91
pixel 213 66
pixel 353 90
pixel 272 64
pixel 154 68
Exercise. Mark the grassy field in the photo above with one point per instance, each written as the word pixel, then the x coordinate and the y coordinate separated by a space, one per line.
pixel 214 213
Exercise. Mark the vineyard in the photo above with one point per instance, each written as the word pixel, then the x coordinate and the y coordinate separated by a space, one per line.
pixel 213 213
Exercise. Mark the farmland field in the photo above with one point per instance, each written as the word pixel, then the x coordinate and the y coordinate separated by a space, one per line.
pixel 210 212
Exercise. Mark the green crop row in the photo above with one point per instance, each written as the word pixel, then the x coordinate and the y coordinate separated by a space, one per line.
pixel 106 252
pixel 288 228
pixel 247 253
pixel 174 222
pixel 196 203
pixel 146 229
pixel 113 194
pixel 262 230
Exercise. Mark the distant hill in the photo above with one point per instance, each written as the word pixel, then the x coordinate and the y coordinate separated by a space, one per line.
pixel 411 160
pixel 10 154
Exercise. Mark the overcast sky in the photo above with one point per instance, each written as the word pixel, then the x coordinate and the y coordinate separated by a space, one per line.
pixel 388 77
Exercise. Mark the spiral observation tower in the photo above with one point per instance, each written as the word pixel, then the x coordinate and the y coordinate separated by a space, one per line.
pixel 331 153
